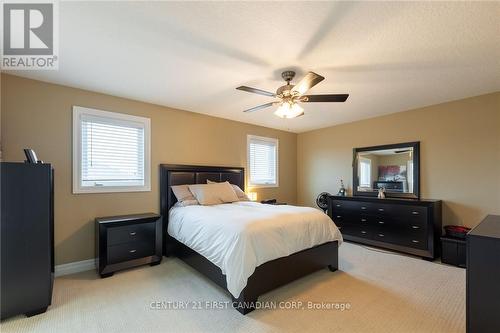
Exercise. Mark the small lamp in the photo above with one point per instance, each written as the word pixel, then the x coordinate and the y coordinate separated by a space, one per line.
pixel 252 196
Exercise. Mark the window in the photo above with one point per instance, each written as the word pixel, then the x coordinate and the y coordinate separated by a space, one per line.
pixel 365 170
pixel 409 175
pixel 111 152
pixel 262 161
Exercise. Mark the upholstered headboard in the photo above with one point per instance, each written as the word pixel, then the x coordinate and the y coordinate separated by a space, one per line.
pixel 191 174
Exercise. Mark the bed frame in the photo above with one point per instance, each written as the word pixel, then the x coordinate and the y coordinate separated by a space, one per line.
pixel 267 276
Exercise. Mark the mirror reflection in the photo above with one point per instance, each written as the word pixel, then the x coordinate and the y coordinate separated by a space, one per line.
pixel 391 169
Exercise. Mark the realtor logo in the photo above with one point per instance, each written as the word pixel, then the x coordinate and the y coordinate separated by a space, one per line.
pixel 29 35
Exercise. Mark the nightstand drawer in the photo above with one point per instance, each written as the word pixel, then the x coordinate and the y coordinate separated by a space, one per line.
pixel 130 251
pixel 140 232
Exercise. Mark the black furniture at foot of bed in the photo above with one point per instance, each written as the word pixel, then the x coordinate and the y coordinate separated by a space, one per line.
pixel 267 276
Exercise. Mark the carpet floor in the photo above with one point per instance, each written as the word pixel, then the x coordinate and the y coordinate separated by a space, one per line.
pixel 373 291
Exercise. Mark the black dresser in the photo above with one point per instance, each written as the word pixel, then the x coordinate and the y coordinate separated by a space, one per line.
pixel 27 235
pixel 405 225
pixel 483 276
pixel 127 241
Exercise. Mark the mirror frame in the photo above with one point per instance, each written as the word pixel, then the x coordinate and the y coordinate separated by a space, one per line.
pixel 416 171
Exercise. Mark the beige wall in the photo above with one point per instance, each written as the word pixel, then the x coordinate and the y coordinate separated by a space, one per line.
pixel 38 115
pixel 460 155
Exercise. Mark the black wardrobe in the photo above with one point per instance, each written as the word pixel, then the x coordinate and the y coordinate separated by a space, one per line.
pixel 27 238
pixel 483 276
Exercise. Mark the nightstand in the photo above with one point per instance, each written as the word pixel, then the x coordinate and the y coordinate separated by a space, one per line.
pixel 453 251
pixel 127 241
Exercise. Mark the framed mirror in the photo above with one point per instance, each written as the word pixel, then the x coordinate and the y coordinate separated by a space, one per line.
pixel 396 168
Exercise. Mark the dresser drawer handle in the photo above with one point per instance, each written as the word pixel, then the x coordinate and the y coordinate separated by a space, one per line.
pixel 133 233
pixel 339 216
pixel 380 209
pixel 415 213
pixel 415 227
pixel 363 232
pixel 363 208
pixel 363 220
pixel 132 251
pixel 415 241
pixel 381 235
pixel 381 222
pixel 337 205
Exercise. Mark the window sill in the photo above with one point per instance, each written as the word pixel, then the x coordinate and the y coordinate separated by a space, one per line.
pixel 262 185
pixel 124 189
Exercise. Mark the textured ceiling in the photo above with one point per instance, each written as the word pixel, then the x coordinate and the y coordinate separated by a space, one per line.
pixel 389 56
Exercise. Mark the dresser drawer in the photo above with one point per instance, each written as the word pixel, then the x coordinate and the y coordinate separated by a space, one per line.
pixel 381 209
pixel 401 226
pixel 338 218
pixel 348 207
pixel 415 242
pixel 140 232
pixel 415 214
pixel 130 251
pixel 357 230
pixel 384 236
pixel 400 235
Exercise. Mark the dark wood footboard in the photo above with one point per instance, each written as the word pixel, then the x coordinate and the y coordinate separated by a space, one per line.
pixel 268 276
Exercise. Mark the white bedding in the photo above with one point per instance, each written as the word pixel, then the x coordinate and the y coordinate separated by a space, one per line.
pixel 240 236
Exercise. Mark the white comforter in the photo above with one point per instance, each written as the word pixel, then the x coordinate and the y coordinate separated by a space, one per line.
pixel 240 236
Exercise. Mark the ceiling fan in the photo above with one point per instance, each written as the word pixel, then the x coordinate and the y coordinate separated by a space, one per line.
pixel 291 95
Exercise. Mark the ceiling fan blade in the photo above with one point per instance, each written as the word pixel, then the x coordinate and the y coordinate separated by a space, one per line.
pixel 310 80
pixel 263 106
pixel 324 98
pixel 256 91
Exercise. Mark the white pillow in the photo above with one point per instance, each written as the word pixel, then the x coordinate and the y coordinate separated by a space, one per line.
pixel 241 195
pixel 213 194
pixel 182 193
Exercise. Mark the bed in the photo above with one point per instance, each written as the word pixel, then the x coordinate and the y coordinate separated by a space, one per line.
pixel 263 271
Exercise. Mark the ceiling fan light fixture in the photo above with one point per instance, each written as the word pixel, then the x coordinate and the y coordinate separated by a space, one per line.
pixel 289 110
pixel 289 94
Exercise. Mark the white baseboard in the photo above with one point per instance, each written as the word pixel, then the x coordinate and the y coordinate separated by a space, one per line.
pixel 74 267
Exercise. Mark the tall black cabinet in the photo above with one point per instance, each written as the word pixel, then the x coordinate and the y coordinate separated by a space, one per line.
pixel 27 238
pixel 483 276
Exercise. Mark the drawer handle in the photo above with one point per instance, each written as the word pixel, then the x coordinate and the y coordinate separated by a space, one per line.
pixel 415 227
pixel 363 232
pixel 415 241
pixel 363 208
pixel 363 220
pixel 381 235
pixel 381 222
pixel 132 251
pixel 133 233
pixel 339 216
pixel 337 205
pixel 415 213
pixel 380 209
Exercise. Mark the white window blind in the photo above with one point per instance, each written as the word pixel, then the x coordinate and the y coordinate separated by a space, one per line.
pixel 112 151
pixel 263 161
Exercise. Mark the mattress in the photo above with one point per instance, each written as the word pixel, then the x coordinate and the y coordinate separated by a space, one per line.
pixel 241 236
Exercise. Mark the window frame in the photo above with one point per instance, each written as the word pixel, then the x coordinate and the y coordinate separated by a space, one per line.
pixel 78 111
pixel 249 177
